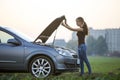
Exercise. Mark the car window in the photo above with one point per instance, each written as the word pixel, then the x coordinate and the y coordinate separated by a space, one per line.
pixel 4 37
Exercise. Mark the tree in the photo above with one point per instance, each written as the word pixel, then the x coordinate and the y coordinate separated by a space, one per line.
pixel 72 44
pixel 94 47
pixel 101 46
pixel 90 41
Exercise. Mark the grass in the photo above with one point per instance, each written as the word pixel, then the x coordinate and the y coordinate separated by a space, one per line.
pixel 104 68
pixel 104 64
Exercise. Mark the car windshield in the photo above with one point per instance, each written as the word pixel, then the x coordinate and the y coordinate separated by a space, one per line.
pixel 21 35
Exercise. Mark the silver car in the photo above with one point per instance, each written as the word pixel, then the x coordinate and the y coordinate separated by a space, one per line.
pixel 19 53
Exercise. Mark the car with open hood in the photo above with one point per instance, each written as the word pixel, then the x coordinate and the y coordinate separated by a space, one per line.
pixel 20 53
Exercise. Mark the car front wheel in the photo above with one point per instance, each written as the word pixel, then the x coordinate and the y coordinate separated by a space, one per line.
pixel 41 67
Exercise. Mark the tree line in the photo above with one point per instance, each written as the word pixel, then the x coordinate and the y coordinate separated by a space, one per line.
pixel 94 46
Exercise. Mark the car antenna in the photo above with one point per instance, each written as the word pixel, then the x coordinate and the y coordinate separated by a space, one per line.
pixel 54 37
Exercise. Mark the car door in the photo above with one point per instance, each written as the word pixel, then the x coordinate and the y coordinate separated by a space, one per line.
pixel 11 55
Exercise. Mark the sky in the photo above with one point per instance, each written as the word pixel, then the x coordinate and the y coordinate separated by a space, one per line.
pixel 33 16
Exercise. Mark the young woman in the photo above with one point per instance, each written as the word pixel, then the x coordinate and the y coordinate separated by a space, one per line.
pixel 82 31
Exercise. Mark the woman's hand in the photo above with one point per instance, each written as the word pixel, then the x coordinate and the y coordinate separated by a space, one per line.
pixel 64 23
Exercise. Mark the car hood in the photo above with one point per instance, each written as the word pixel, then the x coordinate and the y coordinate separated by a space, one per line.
pixel 44 36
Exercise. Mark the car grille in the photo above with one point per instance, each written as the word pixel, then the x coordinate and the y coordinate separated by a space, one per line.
pixel 70 66
pixel 75 56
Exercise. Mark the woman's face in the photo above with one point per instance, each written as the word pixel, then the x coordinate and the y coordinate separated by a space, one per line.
pixel 79 23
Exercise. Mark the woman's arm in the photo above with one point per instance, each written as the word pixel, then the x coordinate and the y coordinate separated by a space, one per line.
pixel 70 28
pixel 73 29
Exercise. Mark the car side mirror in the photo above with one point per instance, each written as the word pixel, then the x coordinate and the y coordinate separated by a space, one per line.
pixel 13 41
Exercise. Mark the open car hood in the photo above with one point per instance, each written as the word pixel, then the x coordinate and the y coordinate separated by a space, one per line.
pixel 44 36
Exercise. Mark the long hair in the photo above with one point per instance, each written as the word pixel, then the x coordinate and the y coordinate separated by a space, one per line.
pixel 85 25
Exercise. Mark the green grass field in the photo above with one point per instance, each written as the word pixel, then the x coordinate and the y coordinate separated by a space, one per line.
pixel 103 68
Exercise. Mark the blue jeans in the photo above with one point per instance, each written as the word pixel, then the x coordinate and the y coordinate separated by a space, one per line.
pixel 83 58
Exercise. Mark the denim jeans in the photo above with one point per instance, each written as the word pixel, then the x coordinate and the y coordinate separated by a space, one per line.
pixel 83 58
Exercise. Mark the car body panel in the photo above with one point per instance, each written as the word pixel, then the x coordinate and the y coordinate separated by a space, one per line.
pixel 11 55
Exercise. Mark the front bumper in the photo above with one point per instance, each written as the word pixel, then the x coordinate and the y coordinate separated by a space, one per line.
pixel 71 65
pixel 67 64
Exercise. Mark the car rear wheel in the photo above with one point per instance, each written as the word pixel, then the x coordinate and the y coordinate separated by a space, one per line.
pixel 41 67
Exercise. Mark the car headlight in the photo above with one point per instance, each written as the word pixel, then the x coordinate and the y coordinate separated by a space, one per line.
pixel 63 52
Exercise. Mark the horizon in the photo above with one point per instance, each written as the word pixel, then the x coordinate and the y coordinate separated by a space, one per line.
pixel 32 17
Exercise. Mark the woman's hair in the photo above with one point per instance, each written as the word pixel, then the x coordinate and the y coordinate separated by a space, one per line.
pixel 85 25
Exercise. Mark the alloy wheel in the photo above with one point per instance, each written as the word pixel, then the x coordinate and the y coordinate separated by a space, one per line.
pixel 41 68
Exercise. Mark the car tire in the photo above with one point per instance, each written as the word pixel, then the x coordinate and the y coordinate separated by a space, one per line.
pixel 41 67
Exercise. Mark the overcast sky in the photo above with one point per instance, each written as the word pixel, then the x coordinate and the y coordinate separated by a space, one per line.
pixel 32 16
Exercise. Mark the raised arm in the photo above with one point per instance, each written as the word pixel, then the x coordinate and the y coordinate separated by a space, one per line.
pixel 64 23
